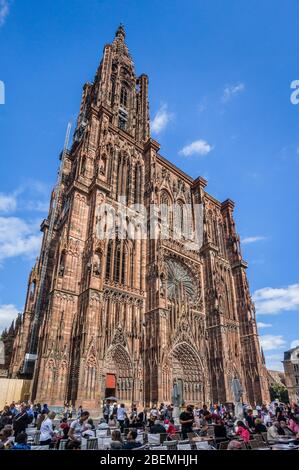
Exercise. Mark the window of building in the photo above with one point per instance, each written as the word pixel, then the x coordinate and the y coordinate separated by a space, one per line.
pixel 297 379
pixel 61 269
pixel 112 91
pixel 296 367
pixel 117 263
pixel 108 260
pixel 123 97
pixel 166 214
pixel 122 120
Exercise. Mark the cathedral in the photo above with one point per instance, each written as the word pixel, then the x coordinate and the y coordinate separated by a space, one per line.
pixel 146 319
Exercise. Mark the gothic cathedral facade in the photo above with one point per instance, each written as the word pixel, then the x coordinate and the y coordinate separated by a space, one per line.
pixel 135 318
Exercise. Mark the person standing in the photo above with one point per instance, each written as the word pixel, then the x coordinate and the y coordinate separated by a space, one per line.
pixel 106 411
pixel 121 416
pixel 20 420
pixel 187 420
pixel 46 429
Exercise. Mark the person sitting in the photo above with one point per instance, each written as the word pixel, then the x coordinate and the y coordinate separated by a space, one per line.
pixel 203 432
pixel 171 430
pixel 78 427
pixel 117 442
pixel 73 445
pixel 131 440
pixel 21 442
pixel 103 424
pixel 285 429
pixel 243 431
pixel 6 439
pixel 259 427
pixel 272 431
pixel 157 428
pixel 250 419
pixel 220 429
pixel 91 424
pixel 234 445
pixel 294 424
pixel 88 432
pixel 64 427
pixel 5 417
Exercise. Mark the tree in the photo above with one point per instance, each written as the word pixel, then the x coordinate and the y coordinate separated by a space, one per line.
pixel 279 392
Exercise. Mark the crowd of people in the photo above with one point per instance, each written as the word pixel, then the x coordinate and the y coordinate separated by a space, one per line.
pixel 275 419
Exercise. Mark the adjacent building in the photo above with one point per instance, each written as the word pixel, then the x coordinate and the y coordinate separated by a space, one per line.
pixel 291 370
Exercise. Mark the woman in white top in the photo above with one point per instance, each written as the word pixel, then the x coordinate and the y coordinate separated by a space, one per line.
pixel 46 429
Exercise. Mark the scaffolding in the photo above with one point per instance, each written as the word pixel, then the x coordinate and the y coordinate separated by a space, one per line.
pixel 31 355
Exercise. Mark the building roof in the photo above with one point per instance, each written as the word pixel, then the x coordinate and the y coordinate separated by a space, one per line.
pixel 287 354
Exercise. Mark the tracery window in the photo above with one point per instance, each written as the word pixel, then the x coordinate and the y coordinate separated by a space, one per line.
pixel 123 97
pixel 117 262
pixel 108 260
pixel 122 120
pixel 166 215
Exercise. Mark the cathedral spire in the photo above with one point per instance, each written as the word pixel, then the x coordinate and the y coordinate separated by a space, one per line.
pixel 120 32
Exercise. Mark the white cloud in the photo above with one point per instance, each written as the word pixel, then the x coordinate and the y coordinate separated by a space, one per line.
pixel 198 147
pixel 8 313
pixel 232 90
pixel 269 342
pixel 273 362
pixel 33 196
pixel 295 343
pixel 18 237
pixel 248 240
pixel 8 203
pixel 37 206
pixel 4 10
pixel 263 325
pixel 161 119
pixel 275 300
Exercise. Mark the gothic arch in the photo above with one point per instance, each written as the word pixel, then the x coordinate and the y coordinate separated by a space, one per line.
pixel 183 366
pixel 118 362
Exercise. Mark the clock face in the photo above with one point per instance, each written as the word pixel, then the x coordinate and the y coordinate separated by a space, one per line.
pixel 179 278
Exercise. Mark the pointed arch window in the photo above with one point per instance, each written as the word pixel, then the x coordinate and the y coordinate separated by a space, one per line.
pixel 108 260
pixel 124 278
pixel 179 218
pixel 124 97
pixel 165 210
pixel 138 184
pixel 61 269
pixel 83 166
pixel 112 91
pixel 131 275
pixel 32 289
pixel 117 258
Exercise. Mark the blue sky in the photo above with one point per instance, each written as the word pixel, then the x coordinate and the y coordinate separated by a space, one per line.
pixel 220 75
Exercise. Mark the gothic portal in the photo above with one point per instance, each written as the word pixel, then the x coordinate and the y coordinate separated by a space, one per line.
pixel 137 318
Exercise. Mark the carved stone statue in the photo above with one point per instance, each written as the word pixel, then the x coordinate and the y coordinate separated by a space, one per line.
pixel 237 394
pixel 175 395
